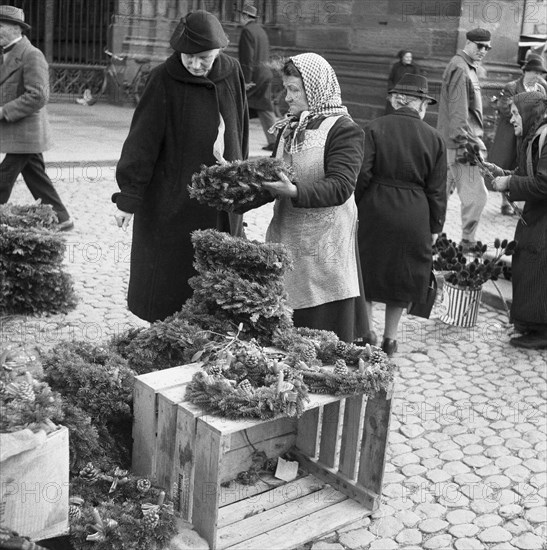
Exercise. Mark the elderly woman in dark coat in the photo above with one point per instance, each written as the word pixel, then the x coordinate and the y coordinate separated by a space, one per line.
pixel 193 111
pixel 503 151
pixel 315 214
pixel 398 70
pixel 529 183
pixel 401 197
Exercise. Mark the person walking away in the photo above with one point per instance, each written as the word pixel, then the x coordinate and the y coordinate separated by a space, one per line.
pixel 398 70
pixel 315 215
pixel 503 152
pixel 24 125
pixel 460 122
pixel 193 111
pixel 528 183
pixel 401 200
pixel 254 54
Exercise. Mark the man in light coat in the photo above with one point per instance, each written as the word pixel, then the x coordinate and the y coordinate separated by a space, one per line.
pixel 254 53
pixel 460 122
pixel 24 127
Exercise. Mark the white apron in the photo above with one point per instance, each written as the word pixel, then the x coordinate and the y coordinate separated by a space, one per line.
pixel 321 241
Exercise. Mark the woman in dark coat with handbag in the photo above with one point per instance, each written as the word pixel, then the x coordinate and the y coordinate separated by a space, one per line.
pixel 528 183
pixel 193 111
pixel 401 199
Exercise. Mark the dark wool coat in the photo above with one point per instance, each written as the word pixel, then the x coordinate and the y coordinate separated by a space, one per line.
pixel 401 198
pixel 172 134
pixel 24 92
pixel 254 53
pixel 503 151
pixel 529 265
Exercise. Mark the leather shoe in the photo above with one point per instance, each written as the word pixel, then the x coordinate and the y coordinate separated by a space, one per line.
pixel 269 147
pixel 389 346
pixel 530 341
pixel 65 226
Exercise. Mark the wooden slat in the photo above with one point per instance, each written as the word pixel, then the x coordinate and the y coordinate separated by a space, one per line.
pixel 262 431
pixel 184 457
pixel 311 527
pixel 343 484
pixel 269 499
pixel 209 450
pixel 145 413
pixel 286 512
pixel 168 401
pixel 374 443
pixel 351 432
pixel 308 432
pixel 235 491
pixel 234 462
pixel 329 433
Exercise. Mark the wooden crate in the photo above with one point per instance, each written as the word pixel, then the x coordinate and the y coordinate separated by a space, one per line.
pixel 34 489
pixel 339 442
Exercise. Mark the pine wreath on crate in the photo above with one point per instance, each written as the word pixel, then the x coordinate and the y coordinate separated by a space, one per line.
pixel 237 186
pixel 241 379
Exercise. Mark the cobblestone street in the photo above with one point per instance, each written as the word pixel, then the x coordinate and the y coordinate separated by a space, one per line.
pixel 467 454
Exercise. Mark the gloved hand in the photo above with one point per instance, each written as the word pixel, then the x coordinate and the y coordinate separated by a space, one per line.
pixel 494 169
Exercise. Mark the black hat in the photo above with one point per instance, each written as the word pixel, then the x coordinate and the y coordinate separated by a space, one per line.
pixel 198 32
pixel 249 10
pixel 414 85
pixel 534 63
pixel 478 35
pixel 11 14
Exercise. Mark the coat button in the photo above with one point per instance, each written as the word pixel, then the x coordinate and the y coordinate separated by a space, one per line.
pixel 210 86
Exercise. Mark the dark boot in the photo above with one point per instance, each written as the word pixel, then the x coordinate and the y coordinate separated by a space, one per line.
pixel 389 346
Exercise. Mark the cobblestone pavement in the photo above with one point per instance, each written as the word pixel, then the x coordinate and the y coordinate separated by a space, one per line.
pixel 466 464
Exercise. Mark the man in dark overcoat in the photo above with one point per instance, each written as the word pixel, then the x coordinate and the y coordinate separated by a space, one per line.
pixel 24 126
pixel 503 152
pixel 193 111
pixel 254 54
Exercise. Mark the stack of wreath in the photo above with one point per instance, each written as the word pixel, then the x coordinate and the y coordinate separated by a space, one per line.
pixel 237 186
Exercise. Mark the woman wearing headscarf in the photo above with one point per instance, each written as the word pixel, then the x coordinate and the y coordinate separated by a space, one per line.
pixel 528 183
pixel 315 214
pixel 401 198
pixel 193 111
pixel 398 70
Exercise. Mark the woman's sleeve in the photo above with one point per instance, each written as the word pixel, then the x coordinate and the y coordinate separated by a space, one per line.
pixel 365 173
pixel 435 190
pixel 531 187
pixel 142 146
pixel 391 77
pixel 344 150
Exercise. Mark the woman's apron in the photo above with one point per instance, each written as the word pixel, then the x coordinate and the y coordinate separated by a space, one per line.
pixel 321 241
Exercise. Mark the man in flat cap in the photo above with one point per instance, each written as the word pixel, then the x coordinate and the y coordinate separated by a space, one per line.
pixel 193 111
pixel 460 122
pixel 24 126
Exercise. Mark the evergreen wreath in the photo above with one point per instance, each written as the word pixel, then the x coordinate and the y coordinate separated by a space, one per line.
pixel 31 256
pixel 237 186
pixel 243 380
pixel 115 510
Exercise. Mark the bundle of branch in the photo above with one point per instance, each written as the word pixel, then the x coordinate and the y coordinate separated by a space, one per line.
pixel 237 186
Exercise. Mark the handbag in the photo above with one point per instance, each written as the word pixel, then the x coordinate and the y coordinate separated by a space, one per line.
pixel 424 310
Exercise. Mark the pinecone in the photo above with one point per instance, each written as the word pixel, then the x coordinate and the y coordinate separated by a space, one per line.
pixel 340 368
pixel 89 473
pixel 245 385
pixel 215 369
pixel 3 388
pixel 340 348
pixel 308 354
pixel 150 521
pixel 74 512
pixel 251 361
pixel 377 357
pixel 143 485
pixel 21 390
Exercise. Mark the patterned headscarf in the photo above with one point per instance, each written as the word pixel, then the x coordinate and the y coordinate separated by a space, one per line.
pixel 322 94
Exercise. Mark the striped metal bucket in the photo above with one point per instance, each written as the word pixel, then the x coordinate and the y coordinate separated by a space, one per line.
pixel 461 305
